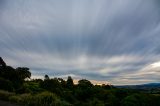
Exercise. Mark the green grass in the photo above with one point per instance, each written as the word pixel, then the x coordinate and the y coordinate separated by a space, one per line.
pixel 40 99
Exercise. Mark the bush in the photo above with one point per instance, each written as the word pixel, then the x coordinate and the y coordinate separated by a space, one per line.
pixel 4 95
pixel 15 99
pixel 32 87
pixel 111 100
pixel 6 84
pixel 138 100
pixel 43 99
pixel 96 102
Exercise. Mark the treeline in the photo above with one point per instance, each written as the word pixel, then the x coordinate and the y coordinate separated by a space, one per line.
pixel 59 92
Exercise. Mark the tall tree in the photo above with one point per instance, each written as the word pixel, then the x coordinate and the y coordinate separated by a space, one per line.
pixel 46 77
pixel 69 82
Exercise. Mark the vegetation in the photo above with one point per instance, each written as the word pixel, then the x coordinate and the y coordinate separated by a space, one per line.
pixel 58 92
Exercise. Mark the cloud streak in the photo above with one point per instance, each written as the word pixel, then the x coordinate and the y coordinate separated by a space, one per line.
pixel 115 41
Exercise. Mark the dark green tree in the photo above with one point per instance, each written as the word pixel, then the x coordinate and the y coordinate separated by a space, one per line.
pixel 52 85
pixel 46 77
pixel 69 82
pixel 84 83
pixel 84 90
pixel 63 82
pixel 14 77
pixel 23 73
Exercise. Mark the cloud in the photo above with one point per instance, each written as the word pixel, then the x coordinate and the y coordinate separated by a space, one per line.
pixel 117 41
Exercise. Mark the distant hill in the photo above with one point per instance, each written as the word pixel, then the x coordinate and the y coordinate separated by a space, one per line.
pixel 150 87
pixel 142 86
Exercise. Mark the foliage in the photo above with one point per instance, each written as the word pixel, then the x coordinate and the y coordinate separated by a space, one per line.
pixel 41 99
pixel 15 99
pixel 52 85
pixel 4 95
pixel 69 82
pixel 46 77
pixel 84 83
pixel 6 84
pixel 32 87
pixel 23 73
pixel 14 78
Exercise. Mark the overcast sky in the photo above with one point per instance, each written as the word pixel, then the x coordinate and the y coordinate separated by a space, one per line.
pixel 116 41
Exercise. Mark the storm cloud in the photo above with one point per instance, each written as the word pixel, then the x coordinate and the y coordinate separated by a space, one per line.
pixel 116 41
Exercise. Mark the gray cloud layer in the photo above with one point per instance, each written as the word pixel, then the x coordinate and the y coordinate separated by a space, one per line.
pixel 105 40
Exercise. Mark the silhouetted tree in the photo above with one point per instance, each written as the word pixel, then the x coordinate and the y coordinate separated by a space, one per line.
pixel 46 77
pixel 63 82
pixel 15 76
pixel 69 83
pixel 2 63
pixel 23 72
pixel 84 83
pixel 52 85
pixel 106 86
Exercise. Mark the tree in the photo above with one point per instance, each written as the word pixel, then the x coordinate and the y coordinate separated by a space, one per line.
pixel 63 82
pixel 46 77
pixel 84 90
pixel 23 73
pixel 84 83
pixel 2 63
pixel 52 85
pixel 111 100
pixel 138 99
pixel 69 82
pixel 14 77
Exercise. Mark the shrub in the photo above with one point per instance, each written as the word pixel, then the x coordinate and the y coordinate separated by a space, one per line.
pixel 138 100
pixel 43 99
pixel 32 87
pixel 4 95
pixel 15 99
pixel 46 98
pixel 96 102
pixel 6 84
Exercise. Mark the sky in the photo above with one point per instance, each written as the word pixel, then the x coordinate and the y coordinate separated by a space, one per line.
pixel 112 41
